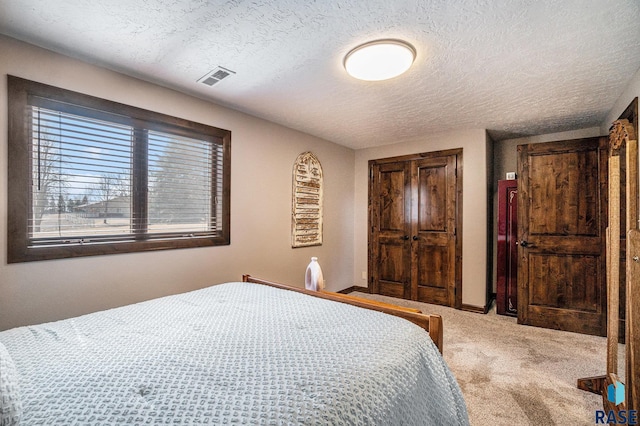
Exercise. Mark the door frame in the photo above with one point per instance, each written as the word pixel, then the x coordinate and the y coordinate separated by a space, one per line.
pixel 372 250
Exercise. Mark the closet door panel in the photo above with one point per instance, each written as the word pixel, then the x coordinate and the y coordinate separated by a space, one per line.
pixel 391 270
pixel 434 223
pixel 391 211
pixel 413 212
pixel 432 197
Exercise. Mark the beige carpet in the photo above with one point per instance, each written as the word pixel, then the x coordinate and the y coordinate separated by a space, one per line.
pixel 512 374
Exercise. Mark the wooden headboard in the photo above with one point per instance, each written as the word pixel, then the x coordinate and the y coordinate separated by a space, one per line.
pixel 431 323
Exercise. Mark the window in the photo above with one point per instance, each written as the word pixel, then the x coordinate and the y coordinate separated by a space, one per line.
pixel 89 176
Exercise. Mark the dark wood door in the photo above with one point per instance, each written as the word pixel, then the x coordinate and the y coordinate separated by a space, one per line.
pixel 433 230
pixel 561 225
pixel 392 223
pixel 414 240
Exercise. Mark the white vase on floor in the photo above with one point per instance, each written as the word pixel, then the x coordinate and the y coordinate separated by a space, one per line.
pixel 313 279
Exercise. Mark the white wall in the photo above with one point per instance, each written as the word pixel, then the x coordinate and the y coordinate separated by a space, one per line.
pixel 263 154
pixel 474 209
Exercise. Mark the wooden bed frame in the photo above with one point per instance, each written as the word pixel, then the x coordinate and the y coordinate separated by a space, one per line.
pixel 622 136
pixel 431 323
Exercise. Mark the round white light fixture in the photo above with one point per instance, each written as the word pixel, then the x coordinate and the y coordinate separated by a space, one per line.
pixel 379 60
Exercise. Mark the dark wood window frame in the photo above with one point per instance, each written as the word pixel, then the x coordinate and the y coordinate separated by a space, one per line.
pixel 21 95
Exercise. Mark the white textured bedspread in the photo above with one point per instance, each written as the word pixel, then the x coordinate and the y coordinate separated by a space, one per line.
pixel 235 353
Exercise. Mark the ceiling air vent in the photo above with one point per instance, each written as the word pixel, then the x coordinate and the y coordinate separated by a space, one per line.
pixel 216 76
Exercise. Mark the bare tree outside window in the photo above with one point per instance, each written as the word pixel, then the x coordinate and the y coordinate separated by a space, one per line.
pixel 113 189
pixel 47 179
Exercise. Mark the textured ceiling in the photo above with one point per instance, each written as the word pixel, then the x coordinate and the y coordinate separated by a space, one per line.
pixel 514 67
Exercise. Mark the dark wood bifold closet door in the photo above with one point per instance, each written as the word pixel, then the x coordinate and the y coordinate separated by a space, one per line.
pixel 434 230
pixel 561 220
pixel 413 216
pixel 393 228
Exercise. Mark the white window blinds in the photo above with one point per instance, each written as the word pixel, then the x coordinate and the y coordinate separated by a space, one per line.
pixel 184 181
pixel 81 188
pixel 84 180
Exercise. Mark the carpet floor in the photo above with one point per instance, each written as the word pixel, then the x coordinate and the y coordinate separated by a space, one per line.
pixel 512 374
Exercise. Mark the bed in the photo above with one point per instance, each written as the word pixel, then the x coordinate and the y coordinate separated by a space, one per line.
pixel 235 353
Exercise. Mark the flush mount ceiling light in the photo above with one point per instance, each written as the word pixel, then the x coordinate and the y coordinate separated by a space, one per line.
pixel 379 60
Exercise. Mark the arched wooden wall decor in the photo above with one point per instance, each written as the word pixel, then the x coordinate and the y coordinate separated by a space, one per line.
pixel 306 210
pixel 622 137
